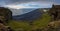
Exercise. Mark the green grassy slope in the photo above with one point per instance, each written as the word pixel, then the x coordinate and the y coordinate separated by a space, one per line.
pixel 41 23
pixel 38 23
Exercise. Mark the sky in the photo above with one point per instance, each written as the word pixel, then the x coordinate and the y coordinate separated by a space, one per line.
pixel 19 4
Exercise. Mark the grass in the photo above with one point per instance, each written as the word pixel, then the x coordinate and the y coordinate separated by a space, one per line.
pixel 38 23
pixel 19 25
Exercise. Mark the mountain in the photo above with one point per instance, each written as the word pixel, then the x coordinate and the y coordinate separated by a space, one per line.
pixel 32 15
pixel 29 16
pixel 21 11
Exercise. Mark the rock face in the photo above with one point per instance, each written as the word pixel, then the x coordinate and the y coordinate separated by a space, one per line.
pixel 53 26
pixel 55 12
pixel 5 14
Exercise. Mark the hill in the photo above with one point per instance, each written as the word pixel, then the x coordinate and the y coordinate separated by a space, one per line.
pixel 34 14
pixel 29 16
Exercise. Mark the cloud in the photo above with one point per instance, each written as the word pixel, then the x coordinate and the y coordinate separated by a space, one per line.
pixel 22 6
pixel 16 1
pixel 5 2
pixel 27 3
pixel 30 5
pixel 22 1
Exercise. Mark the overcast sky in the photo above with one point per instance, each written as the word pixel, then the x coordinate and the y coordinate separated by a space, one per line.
pixel 18 4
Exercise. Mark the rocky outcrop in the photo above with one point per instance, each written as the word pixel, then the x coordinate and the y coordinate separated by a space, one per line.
pixel 5 14
pixel 5 28
pixel 55 12
pixel 54 26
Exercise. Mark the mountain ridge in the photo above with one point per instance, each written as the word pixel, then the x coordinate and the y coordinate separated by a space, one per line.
pixel 30 15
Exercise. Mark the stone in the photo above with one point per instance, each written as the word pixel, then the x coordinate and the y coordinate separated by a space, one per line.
pixel 55 12
pixel 5 14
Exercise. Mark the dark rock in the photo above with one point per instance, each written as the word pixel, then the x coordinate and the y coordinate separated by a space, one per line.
pixel 9 29
pixel 5 14
pixel 55 12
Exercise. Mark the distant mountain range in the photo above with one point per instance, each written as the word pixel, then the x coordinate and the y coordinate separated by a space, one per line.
pixel 21 11
pixel 30 15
